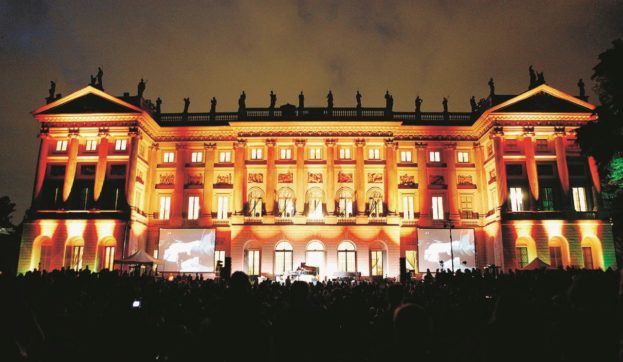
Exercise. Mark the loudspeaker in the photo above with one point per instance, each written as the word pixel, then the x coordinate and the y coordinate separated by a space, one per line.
pixel 226 272
pixel 403 270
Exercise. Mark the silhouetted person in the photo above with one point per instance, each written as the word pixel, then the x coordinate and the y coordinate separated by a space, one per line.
pixel 100 76
pixel 444 103
pixel 140 89
pixel 330 101
pixel 491 87
pixel 533 79
pixel 581 88
pixel 472 103
pixel 358 99
pixel 186 105
pixel 158 104
pixel 301 101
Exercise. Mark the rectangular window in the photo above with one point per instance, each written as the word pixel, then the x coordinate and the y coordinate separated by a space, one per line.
pixel 76 257
pixel 91 145
pixel 579 199
pixel 256 154
pixel 219 255
pixel 286 154
pixel 196 157
pixel 223 200
pixel 411 259
pixel 376 262
pixel 555 256
pixel 516 197
pixel 405 156
pixel 314 153
pixel 438 208
pixel 466 202
pixel 120 145
pixel 345 154
pixel 165 208
pixel 346 261
pixel 407 207
pixel 109 257
pixel 434 156
pixel 168 157
pixel 225 156
pixel 547 199
pixel 253 262
pixel 193 207
pixel 587 253
pixel 522 256
pixel 463 156
pixel 61 145
pixel 374 154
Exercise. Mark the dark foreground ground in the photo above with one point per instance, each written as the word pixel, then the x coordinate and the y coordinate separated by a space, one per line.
pixel 561 315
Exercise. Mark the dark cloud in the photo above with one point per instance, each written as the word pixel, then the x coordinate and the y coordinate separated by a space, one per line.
pixel 202 49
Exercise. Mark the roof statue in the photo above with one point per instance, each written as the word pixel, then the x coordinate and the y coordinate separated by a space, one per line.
pixel 472 103
pixel 444 103
pixel 93 82
pixel 242 103
pixel 330 100
pixel 186 104
pixel 51 92
pixel 100 75
pixel 273 99
pixel 418 104
pixel 301 101
pixel 213 105
pixel 140 89
pixel 540 78
pixel 158 103
pixel 389 101
pixel 533 80
pixel 491 87
pixel 358 99
pixel 581 88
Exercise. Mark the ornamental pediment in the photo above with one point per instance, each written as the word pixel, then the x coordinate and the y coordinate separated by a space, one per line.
pixel 88 100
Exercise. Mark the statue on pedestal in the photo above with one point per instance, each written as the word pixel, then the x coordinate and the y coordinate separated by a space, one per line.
pixel 273 99
pixel 581 87
pixel 186 105
pixel 491 87
pixel 445 104
pixel 141 88
pixel 330 100
pixel 301 101
pixel 358 99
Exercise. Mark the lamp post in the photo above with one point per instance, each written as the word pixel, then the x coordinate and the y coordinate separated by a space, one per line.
pixel 448 223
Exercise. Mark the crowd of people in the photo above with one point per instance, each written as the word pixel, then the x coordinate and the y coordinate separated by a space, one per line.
pixel 475 315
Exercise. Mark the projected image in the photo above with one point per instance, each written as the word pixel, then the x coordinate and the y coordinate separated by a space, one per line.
pixel 434 246
pixel 187 250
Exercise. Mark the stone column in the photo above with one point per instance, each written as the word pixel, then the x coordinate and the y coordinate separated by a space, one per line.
pixel 453 194
pixel 240 176
pixel 423 194
pixel 208 181
pixel 102 160
pixel 560 137
pixel 130 182
pixel 152 178
pixel 271 176
pixel 44 150
pixel 330 181
pixel 531 169
pixel 500 166
pixel 481 177
pixel 72 163
pixel 301 180
pixel 360 182
pixel 391 176
pixel 177 201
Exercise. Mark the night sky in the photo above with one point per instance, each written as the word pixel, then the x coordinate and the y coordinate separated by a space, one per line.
pixel 204 49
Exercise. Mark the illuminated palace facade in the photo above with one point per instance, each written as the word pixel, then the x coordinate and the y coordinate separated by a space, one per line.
pixel 345 189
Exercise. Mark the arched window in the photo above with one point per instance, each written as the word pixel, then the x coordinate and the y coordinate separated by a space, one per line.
pixel 346 257
pixel 375 202
pixel 558 252
pixel 252 261
pixel 255 199
pixel 107 253
pixel 74 249
pixel 315 254
pixel 283 258
pixel 41 253
pixel 526 250
pixel 314 203
pixel 285 199
pixel 345 202
pixel 592 252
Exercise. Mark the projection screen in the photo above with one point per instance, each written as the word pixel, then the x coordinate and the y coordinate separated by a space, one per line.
pixel 434 246
pixel 187 250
